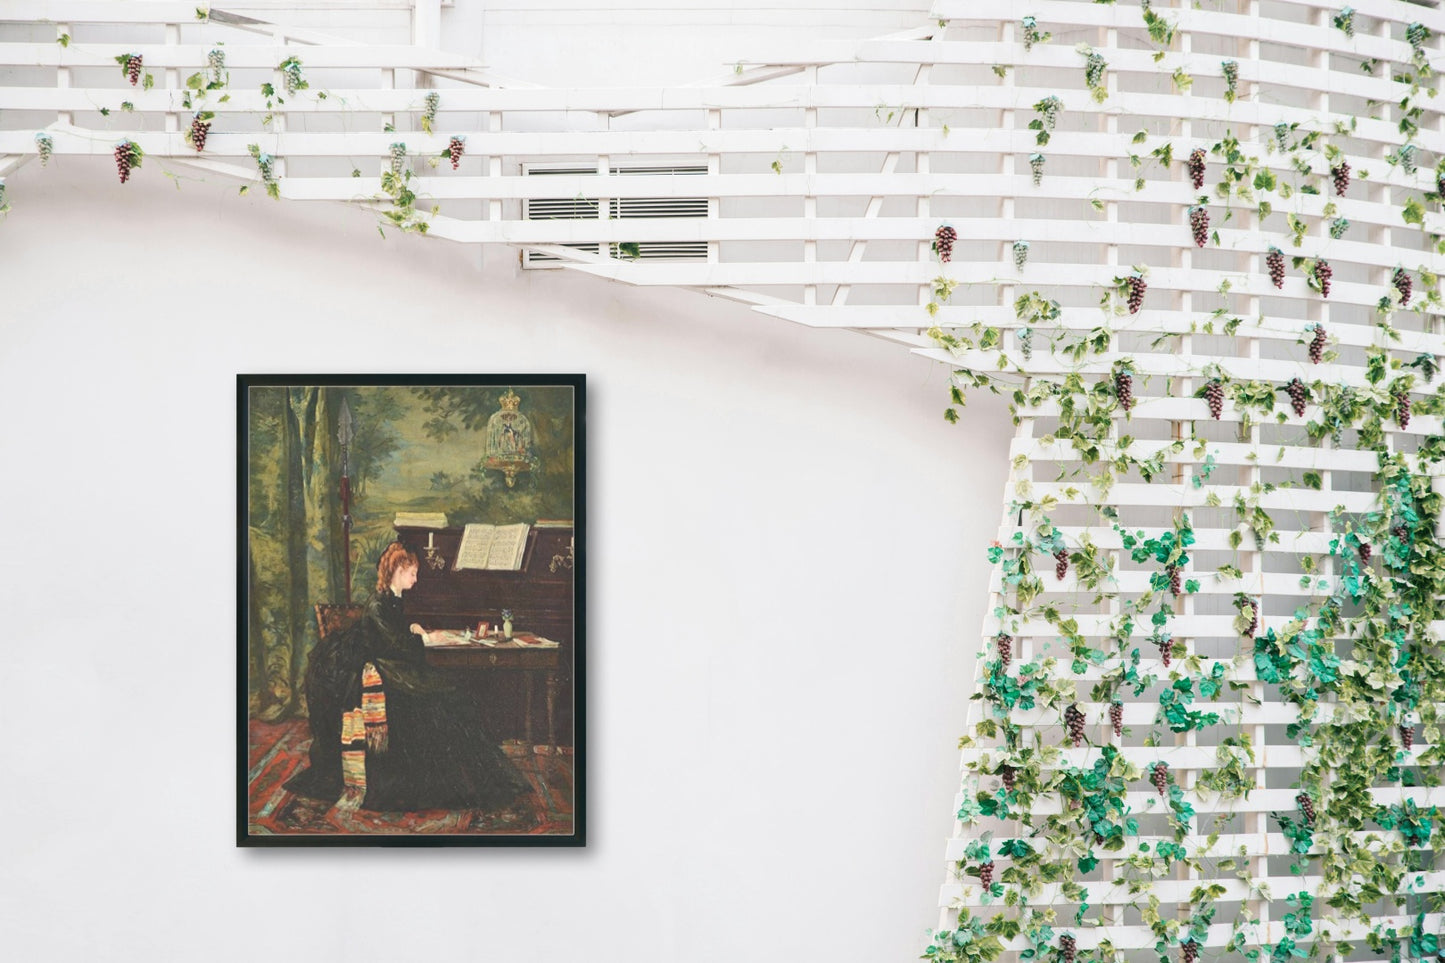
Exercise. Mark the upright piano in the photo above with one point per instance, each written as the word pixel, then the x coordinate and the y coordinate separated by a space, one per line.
pixel 542 599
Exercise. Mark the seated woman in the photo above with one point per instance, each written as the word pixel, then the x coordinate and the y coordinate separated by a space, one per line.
pixel 427 749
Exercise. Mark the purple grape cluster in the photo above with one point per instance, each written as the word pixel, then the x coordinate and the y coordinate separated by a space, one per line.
pixel 1407 737
pixel 199 130
pixel 1274 260
pixel 1400 533
pixel 1196 167
pixel 1116 718
pixel 1340 173
pixel 1188 951
pixel 1166 651
pixel 1074 719
pixel 985 873
pixel 943 239
pixel 1317 345
pixel 1323 273
pixel 1124 389
pixel 1199 224
pixel 1253 617
pixel 1299 395
pixel 1403 284
pixel 455 149
pixel 1214 394
pixel 1009 776
pixel 1061 564
pixel 1067 948
pixel 1365 553
pixel 133 66
pixel 1402 408
pixel 1159 776
pixel 1137 287
pixel 1176 585
pixel 123 159
pixel 1306 806
pixel 1004 642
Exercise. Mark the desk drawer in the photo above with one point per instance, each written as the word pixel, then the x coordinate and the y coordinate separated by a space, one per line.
pixel 492 658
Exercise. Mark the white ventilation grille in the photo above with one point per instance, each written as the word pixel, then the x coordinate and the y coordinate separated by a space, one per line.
pixel 620 209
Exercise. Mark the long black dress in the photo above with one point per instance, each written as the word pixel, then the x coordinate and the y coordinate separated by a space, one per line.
pixel 438 756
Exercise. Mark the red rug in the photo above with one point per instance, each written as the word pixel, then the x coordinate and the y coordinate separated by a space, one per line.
pixel 278 750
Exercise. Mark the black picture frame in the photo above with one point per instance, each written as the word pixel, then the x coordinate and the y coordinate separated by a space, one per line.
pixel 292 500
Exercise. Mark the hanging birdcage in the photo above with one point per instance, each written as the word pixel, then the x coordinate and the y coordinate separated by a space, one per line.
pixel 511 445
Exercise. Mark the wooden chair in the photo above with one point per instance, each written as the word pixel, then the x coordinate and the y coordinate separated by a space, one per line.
pixel 331 617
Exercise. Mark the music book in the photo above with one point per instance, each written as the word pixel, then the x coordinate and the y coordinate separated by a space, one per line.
pixel 492 547
pixel 420 520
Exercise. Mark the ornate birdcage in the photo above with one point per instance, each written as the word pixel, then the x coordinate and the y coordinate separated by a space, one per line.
pixel 511 445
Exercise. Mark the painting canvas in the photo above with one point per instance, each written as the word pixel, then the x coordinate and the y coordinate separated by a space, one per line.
pixel 411 561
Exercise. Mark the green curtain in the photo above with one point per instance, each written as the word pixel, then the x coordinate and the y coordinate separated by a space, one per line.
pixel 296 560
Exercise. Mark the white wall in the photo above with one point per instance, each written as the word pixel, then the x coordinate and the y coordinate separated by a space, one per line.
pixel 787 585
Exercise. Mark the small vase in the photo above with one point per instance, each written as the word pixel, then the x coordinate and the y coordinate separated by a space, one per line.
pixel 506 628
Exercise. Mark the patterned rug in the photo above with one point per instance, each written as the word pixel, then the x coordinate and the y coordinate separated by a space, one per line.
pixel 278 750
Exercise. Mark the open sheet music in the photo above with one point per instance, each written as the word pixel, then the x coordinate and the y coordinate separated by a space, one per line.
pixel 492 547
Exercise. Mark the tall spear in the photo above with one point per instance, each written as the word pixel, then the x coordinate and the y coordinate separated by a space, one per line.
pixel 345 434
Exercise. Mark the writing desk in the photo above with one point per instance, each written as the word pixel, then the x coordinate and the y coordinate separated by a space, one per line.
pixel 454 650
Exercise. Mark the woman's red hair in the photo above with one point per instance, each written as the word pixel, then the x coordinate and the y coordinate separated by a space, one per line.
pixel 396 556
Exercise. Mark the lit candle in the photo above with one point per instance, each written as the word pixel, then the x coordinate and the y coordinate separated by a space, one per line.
pixel 429 537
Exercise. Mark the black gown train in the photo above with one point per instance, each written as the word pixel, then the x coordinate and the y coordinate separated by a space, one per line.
pixel 439 755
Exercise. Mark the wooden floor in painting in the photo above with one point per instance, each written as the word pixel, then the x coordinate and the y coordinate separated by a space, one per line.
pixel 278 750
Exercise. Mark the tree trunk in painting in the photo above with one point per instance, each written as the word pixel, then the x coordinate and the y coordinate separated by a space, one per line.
pixel 296 548
pixel 255 638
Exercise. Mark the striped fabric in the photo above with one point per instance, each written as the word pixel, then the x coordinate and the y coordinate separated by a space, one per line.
pixel 363 729
pixel 373 708
pixel 353 759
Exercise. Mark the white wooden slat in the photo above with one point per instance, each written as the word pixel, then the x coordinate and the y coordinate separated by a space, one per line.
pixel 1259 800
pixel 238 56
pixel 1097 627
pixel 1052 13
pixel 1279 584
pixel 1205 540
pixel 870 99
pixel 1221 846
pixel 1178 890
pixel 1219 934
pixel 98 11
pixel 1187 409
pixel 1175 366
pixel 1154 321
pixel 1290 756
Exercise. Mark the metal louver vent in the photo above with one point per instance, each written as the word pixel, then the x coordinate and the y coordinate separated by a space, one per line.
pixel 618 209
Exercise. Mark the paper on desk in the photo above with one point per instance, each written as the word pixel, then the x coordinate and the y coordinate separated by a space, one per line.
pixel 448 637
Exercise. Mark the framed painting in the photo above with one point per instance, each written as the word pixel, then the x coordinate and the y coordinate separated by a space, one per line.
pixel 411 559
